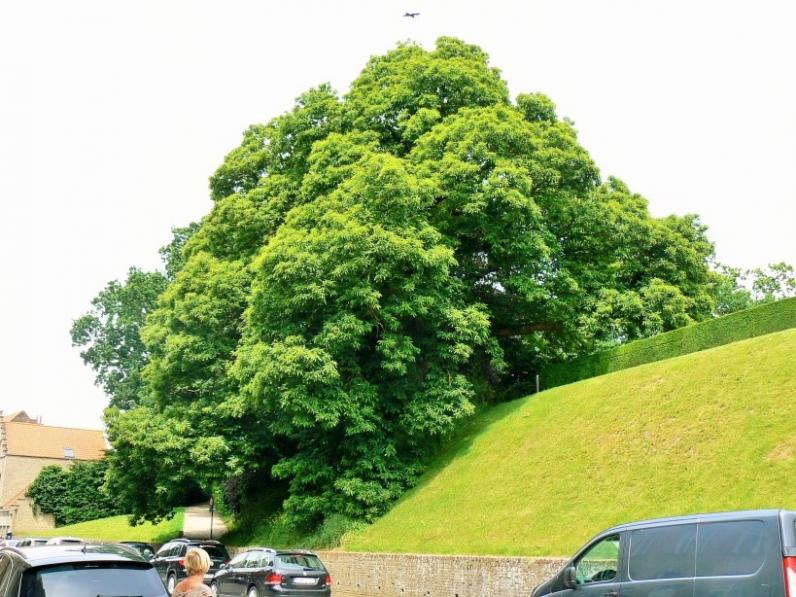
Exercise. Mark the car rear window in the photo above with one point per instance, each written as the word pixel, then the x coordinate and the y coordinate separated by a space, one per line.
pixel 216 552
pixel 663 552
pixel 95 578
pixel 299 561
pixel 730 548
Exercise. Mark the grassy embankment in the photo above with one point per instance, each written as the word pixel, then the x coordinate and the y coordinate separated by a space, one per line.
pixel 711 430
pixel 117 528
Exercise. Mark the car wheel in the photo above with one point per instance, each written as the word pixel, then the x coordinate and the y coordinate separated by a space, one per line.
pixel 170 584
pixel 253 592
pixel 214 589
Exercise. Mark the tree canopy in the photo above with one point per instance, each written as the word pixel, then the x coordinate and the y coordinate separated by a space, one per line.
pixel 373 267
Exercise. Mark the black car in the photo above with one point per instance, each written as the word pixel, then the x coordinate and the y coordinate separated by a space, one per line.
pixel 169 560
pixel 77 571
pixel 749 554
pixel 145 549
pixel 262 571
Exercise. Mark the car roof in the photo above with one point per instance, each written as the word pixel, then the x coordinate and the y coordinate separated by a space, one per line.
pixel 63 554
pixel 709 517
pixel 194 541
pixel 279 552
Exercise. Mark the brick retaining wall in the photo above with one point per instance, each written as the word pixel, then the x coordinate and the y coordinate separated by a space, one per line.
pixel 405 575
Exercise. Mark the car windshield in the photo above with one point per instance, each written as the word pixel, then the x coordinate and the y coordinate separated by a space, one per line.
pixel 216 552
pixel 95 579
pixel 299 561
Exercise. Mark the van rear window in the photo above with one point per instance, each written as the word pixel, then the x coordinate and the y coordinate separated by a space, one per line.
pixel 663 552
pixel 730 548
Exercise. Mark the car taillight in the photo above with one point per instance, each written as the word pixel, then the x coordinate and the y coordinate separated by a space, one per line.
pixel 273 579
pixel 328 580
pixel 790 576
pixel 181 562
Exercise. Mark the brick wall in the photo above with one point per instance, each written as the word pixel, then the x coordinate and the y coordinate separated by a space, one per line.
pixel 405 575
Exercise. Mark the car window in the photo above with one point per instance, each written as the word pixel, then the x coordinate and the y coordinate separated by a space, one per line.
pixel 600 562
pixel 266 560
pixel 164 550
pixel 216 552
pixel 663 552
pixel 730 548
pixel 238 560
pixel 252 559
pixel 81 579
pixel 298 561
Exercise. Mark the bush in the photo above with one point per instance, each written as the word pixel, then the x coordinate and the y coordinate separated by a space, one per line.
pixel 73 495
pixel 757 321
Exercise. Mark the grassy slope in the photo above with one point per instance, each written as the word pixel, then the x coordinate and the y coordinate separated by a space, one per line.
pixel 117 528
pixel 713 430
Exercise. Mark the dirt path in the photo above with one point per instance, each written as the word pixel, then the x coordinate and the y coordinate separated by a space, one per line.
pixel 197 523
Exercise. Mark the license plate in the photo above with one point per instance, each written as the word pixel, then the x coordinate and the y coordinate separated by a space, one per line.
pixel 304 581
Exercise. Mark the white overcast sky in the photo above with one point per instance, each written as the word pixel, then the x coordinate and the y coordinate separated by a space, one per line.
pixel 114 113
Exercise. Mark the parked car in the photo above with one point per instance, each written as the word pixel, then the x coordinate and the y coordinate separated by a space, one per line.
pixel 262 571
pixel 749 554
pixel 145 549
pixel 76 571
pixel 65 541
pixel 30 542
pixel 170 559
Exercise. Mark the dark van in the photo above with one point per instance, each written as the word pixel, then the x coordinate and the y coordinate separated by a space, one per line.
pixel 749 554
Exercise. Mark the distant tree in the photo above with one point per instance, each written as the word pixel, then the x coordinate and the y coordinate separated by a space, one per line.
pixel 729 290
pixel 110 332
pixel 775 282
pixel 75 494
pixel 735 289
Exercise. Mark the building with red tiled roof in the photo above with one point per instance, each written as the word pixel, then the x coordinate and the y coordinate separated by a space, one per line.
pixel 27 446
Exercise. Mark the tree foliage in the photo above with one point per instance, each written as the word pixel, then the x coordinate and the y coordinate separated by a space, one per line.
pixel 110 333
pixel 372 267
pixel 735 289
pixel 74 494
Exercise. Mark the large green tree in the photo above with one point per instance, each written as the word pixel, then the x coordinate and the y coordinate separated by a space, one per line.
pixel 372 267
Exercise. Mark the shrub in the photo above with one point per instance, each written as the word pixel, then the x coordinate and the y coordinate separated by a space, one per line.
pixel 756 321
pixel 73 495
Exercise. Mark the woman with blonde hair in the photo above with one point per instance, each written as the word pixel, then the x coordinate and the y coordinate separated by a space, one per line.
pixel 197 563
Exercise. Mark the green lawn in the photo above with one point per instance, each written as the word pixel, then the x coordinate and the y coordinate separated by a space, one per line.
pixel 117 528
pixel 708 431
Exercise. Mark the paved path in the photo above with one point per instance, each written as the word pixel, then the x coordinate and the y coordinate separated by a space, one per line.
pixel 197 523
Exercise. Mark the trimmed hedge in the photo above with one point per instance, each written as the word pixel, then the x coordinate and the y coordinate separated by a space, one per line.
pixel 756 321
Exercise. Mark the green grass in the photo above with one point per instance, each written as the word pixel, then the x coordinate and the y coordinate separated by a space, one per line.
pixel 117 528
pixel 757 321
pixel 709 431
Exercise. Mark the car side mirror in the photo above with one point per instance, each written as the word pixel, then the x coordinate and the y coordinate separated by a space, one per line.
pixel 569 578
